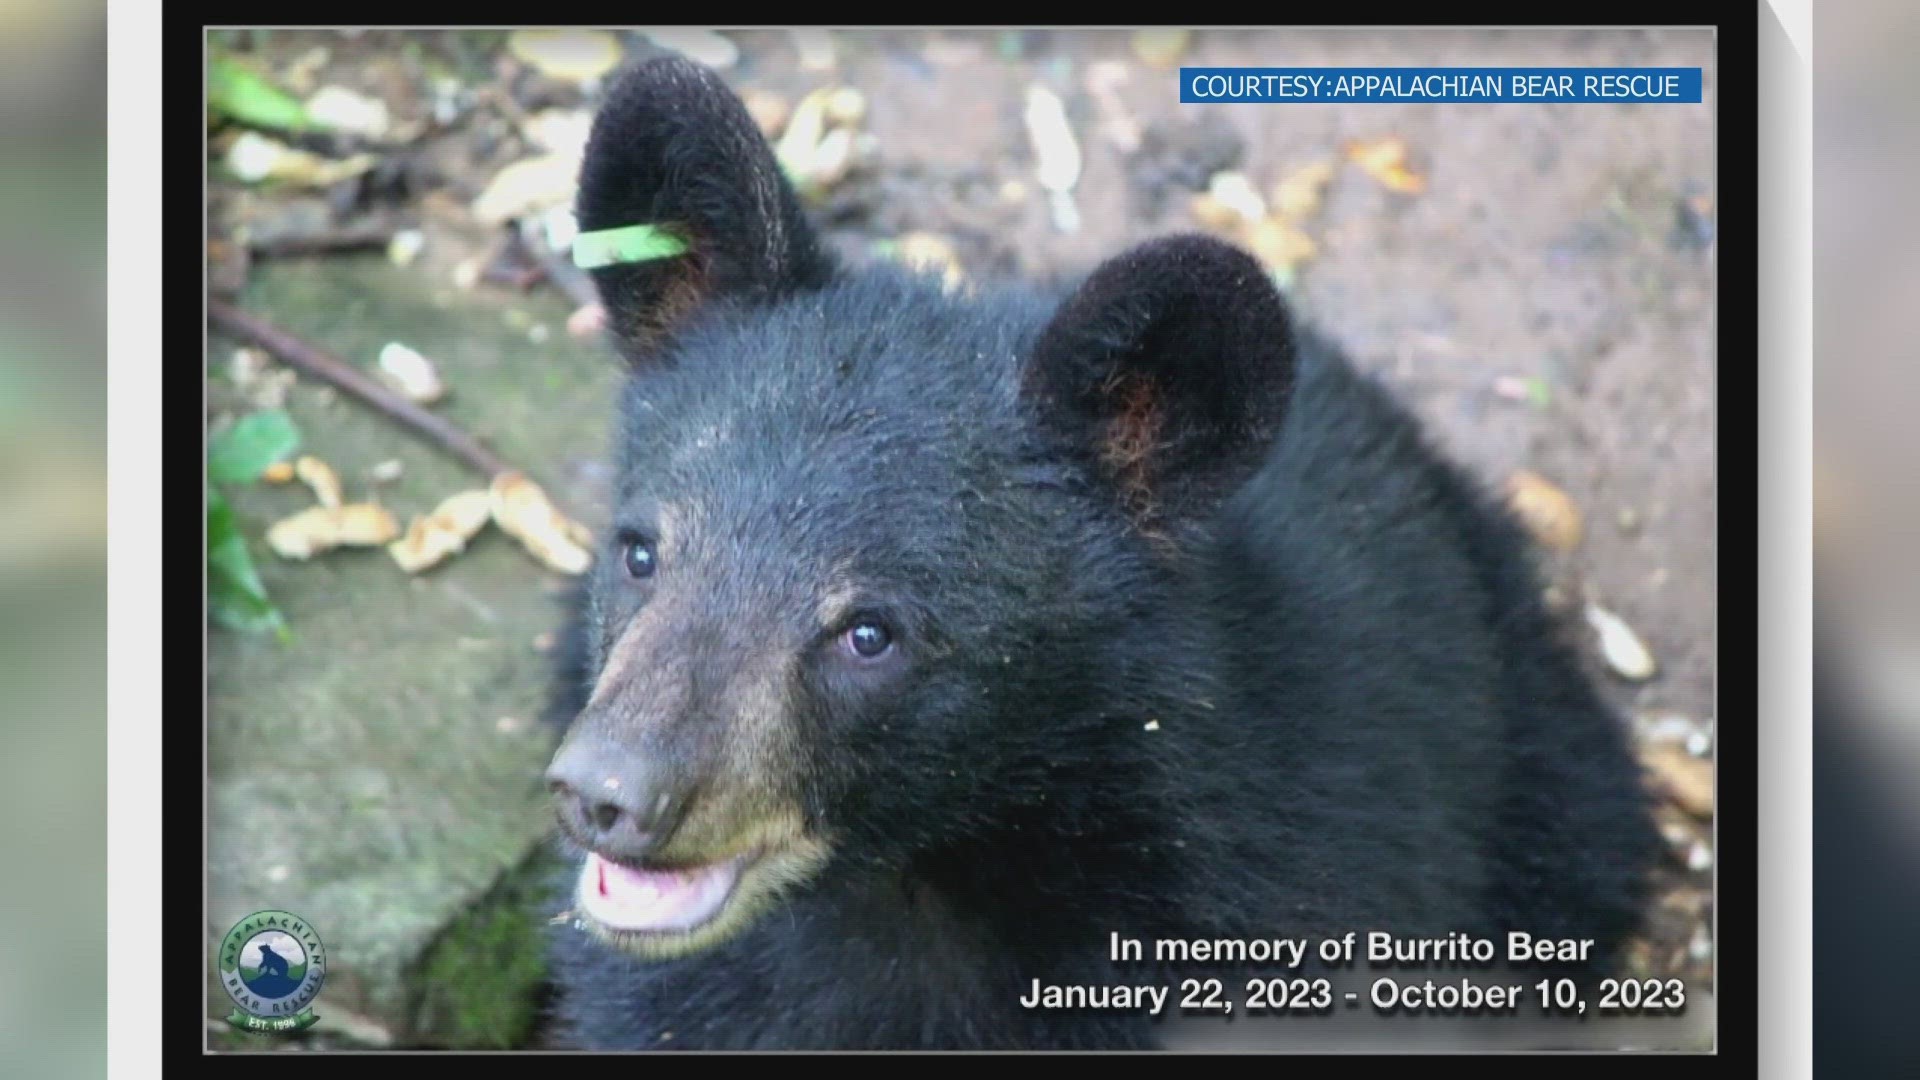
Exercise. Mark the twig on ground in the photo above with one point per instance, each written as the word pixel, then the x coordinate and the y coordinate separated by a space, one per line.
pixel 313 361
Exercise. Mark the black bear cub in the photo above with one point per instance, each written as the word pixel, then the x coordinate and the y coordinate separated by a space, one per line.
pixel 936 638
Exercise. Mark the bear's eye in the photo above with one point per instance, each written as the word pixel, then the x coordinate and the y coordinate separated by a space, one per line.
pixel 638 557
pixel 868 638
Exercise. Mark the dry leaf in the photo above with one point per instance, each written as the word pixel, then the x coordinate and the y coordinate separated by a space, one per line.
pixel 768 109
pixel 445 532
pixel 319 476
pixel 1297 195
pixel 1625 653
pixel 526 186
pixel 1161 48
pixel 322 528
pixel 1216 215
pixel 930 253
pixel 1055 151
pixel 1548 512
pixel 349 111
pixel 523 511
pixel 1385 159
pixel 1236 192
pixel 570 55
pixel 411 374
pixel 706 46
pixel 1279 246
pixel 255 158
pixel 1682 779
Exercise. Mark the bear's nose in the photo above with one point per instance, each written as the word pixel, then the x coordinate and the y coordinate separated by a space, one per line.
pixel 622 804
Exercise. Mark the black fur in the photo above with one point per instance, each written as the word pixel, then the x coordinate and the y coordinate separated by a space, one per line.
pixel 1297 681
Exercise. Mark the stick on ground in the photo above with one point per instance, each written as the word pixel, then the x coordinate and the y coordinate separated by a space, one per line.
pixel 319 364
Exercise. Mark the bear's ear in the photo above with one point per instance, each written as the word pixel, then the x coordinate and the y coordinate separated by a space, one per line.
pixel 1167 372
pixel 673 149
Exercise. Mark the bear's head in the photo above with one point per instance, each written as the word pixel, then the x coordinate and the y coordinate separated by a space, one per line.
pixel 892 575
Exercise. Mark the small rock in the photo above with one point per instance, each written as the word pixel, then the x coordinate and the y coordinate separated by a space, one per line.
pixel 1627 521
pixel 1153 725
pixel 1701 946
pixel 1625 653
pixel 1700 857
pixel 538 333
pixel 280 472
pixel 279 874
pixel 386 472
pixel 509 725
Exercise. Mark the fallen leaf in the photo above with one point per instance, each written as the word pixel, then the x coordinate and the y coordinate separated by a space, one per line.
pixel 522 511
pixel 1548 512
pixel 255 158
pixel 570 55
pixel 1680 778
pixel 526 186
pixel 1236 192
pixel 319 476
pixel 1625 653
pixel 931 253
pixel 322 528
pixel 413 376
pixel 768 109
pixel 431 539
pixel 715 50
pixel 1161 48
pixel 237 91
pixel 349 111
pixel 815 47
pixel 1279 246
pixel 405 247
pixel 1297 195
pixel 1056 153
pixel 1385 159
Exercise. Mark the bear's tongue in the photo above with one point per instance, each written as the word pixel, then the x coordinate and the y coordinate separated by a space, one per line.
pixel 628 899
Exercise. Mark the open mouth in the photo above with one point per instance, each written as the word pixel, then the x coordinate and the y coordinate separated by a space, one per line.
pixel 637 901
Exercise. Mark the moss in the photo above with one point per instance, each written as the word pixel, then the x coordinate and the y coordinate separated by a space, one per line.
pixel 481 983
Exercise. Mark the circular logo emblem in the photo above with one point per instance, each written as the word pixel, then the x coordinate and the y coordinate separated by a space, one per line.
pixel 272 965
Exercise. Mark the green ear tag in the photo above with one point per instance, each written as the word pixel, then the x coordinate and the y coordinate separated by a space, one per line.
pixel 629 244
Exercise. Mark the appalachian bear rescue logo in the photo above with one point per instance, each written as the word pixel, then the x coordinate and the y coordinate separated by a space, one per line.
pixel 272 965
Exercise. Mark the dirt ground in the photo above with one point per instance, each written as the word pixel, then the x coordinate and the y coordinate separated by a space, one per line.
pixel 1544 301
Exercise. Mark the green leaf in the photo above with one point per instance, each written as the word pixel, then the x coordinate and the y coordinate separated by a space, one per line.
pixel 236 91
pixel 629 244
pixel 236 597
pixel 241 453
pixel 1539 394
